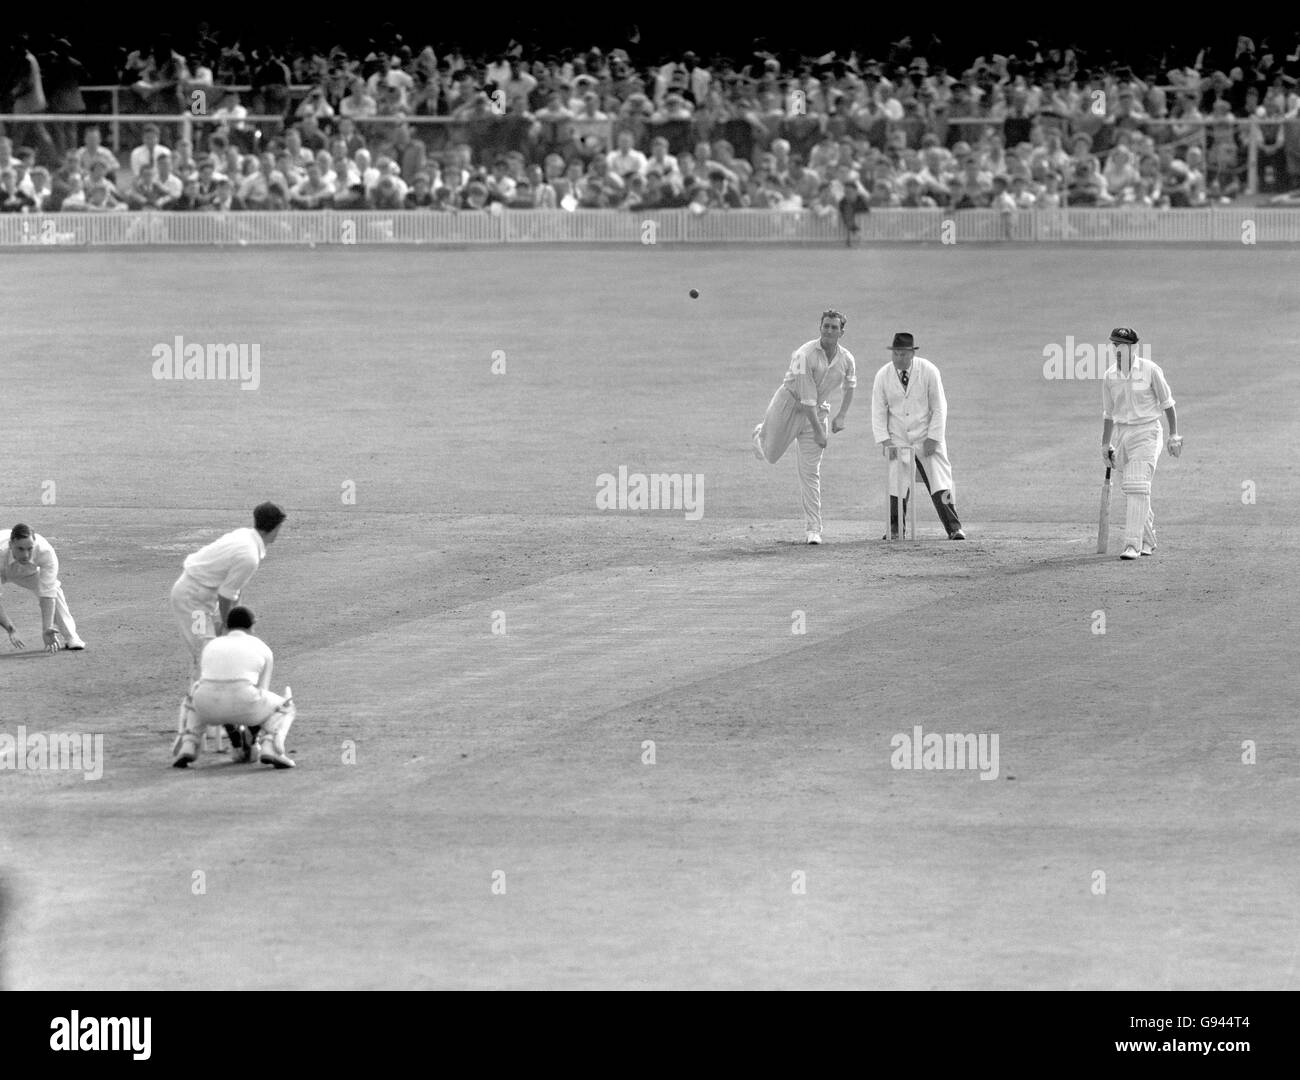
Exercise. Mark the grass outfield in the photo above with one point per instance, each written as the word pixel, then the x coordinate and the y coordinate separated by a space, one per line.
pixel 432 501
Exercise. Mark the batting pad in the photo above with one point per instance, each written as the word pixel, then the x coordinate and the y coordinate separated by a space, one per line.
pixel 1137 486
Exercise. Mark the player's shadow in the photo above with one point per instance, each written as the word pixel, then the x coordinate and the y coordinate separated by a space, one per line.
pixel 25 654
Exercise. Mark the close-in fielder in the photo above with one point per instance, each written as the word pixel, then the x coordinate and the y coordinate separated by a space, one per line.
pixel 909 408
pixel 800 409
pixel 28 560
pixel 232 690
pixel 212 579
pixel 1133 395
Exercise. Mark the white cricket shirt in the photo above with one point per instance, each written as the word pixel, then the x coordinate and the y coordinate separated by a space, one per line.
pixel 1135 398
pixel 813 379
pixel 237 654
pixel 227 564
pixel 41 575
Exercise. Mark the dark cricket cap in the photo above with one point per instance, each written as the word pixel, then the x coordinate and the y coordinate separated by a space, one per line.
pixel 1123 335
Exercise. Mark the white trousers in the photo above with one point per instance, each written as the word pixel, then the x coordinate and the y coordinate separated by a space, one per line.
pixel 63 619
pixel 197 614
pixel 783 424
pixel 232 702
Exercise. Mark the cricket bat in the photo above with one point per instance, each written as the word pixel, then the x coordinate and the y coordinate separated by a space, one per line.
pixel 1103 518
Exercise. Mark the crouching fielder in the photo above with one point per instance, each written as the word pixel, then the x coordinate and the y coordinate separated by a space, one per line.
pixel 234 673
pixel 1133 395
pixel 27 559
pixel 800 412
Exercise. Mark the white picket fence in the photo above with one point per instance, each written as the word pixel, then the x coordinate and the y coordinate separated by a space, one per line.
pixel 1239 225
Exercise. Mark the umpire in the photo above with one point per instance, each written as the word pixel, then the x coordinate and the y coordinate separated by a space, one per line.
pixel 908 408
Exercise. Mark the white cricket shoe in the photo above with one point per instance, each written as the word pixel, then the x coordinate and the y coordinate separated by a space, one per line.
pixel 75 645
pixel 1148 549
pixel 814 538
pixel 756 445
pixel 1129 552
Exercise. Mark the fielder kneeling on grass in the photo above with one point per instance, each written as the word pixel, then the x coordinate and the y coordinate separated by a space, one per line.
pixel 234 673
pixel 27 559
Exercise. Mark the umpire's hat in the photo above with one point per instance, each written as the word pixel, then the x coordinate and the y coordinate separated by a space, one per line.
pixel 905 341
pixel 1123 335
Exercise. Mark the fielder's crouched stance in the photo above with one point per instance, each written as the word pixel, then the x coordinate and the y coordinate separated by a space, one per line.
pixel 1133 395
pixel 800 411
pixel 234 673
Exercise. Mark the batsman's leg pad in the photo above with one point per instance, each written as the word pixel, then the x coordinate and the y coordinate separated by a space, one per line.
pixel 1136 486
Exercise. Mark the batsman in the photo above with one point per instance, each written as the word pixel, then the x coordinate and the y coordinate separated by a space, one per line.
pixel 1133 395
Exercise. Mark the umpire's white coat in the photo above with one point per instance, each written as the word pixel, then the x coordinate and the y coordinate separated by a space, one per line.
pixel 910 415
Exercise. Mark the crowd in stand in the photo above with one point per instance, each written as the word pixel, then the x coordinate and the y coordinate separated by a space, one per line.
pixel 838 134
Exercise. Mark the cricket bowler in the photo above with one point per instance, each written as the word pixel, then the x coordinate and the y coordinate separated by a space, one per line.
pixel 800 409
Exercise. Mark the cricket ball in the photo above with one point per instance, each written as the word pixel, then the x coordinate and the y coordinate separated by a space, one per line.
pixel 695 294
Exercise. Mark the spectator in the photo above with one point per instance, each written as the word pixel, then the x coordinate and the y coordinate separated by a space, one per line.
pixel 165 179
pixel 1049 198
pixel 94 150
pixel 231 114
pixel 145 193
pixel 722 191
pixel 1187 130
pixel 189 198
pixel 1224 157
pixel 313 192
pixel 421 196
pixel 70 195
pixel 1197 194
pixel 98 176
pixel 409 154
pixel 387 168
pixel 147 153
pixel 315 105
pixel 1088 186
pixel 359 104
pixel 271 80
pixel 13 201
pixel 625 160
pixel 255 189
pixel 101 199
pixel 225 199
pixel 1121 173
pixel 352 198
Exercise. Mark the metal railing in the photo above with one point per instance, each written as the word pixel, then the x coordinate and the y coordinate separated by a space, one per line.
pixel 1236 225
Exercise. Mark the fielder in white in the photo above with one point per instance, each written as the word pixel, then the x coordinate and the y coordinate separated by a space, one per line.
pixel 28 560
pixel 214 576
pixel 909 408
pixel 1133 395
pixel 800 409
pixel 234 673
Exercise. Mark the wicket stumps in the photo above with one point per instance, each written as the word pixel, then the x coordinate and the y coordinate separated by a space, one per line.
pixel 898 512
pixel 221 738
